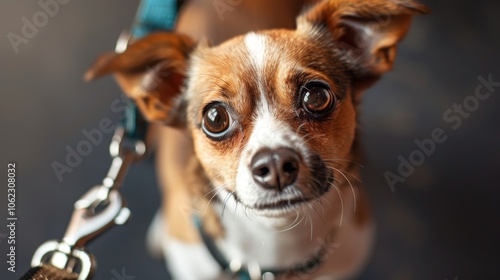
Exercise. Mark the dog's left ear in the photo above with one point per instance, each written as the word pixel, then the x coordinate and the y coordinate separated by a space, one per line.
pixel 151 71
pixel 366 31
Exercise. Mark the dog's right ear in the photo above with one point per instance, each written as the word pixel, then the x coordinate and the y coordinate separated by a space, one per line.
pixel 151 72
pixel 365 32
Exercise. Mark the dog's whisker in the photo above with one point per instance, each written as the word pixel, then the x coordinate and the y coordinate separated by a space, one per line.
pixel 286 228
pixel 217 193
pixel 352 188
pixel 221 174
pixel 309 217
pixel 211 183
pixel 347 173
pixel 294 223
pixel 334 160
pixel 321 198
pixel 226 199
pixel 312 226
pixel 211 191
pixel 320 203
pixel 297 214
pixel 246 214
pixel 235 206
pixel 341 205
pixel 216 189
pixel 316 210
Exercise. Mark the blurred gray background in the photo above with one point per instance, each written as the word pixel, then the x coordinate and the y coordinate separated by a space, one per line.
pixel 440 223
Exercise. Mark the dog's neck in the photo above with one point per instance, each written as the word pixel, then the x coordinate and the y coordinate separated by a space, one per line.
pixel 278 243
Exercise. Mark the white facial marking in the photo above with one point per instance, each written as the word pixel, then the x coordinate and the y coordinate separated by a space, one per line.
pixel 268 131
pixel 256 46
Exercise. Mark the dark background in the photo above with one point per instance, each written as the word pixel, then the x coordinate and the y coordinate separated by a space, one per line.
pixel 441 223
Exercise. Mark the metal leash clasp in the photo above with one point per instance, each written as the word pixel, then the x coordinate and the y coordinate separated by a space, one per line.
pixel 101 208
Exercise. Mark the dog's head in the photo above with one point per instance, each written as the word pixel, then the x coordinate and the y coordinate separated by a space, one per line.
pixel 272 114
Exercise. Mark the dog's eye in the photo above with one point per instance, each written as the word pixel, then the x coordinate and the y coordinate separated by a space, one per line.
pixel 216 121
pixel 317 98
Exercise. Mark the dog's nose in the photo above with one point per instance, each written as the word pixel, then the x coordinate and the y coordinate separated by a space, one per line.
pixel 275 169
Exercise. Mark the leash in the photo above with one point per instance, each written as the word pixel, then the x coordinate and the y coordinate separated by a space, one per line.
pixel 103 206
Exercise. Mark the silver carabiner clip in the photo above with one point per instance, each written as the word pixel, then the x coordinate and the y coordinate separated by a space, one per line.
pixel 85 224
pixel 95 212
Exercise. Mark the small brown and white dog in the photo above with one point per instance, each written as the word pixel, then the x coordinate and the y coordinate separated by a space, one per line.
pixel 261 132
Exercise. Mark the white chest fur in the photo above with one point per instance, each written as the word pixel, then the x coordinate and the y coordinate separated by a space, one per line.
pixel 276 243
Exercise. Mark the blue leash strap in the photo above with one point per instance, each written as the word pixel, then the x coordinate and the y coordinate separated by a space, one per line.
pixel 152 16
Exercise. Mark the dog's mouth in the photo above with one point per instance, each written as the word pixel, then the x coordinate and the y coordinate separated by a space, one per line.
pixel 283 204
pixel 278 205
